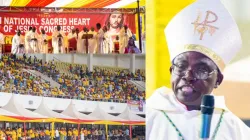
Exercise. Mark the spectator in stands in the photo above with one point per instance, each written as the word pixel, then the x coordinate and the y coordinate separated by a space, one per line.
pixel 106 84
pixel 57 135
pixel 70 134
pixel 47 134
pixel 75 134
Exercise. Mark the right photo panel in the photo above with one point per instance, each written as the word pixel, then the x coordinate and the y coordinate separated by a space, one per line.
pixel 197 84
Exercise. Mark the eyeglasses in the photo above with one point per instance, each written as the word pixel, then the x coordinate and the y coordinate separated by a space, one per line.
pixel 198 73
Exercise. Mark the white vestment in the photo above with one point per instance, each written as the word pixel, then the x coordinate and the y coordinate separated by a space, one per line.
pixel 124 37
pixel 58 43
pixel 189 122
pixel 1 42
pixel 34 43
pixel 107 43
pixel 16 41
pixel 99 41
pixel 27 38
pixel 81 48
pixel 84 49
pixel 92 43
pixel 43 45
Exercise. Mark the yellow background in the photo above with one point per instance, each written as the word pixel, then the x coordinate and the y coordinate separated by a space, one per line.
pixel 158 14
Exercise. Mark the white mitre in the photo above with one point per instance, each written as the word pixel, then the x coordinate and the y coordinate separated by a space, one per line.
pixel 206 27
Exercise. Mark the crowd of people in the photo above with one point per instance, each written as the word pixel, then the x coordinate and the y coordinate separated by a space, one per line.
pixel 63 133
pixel 102 84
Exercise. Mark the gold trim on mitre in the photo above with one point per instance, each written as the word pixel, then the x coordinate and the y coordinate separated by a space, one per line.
pixel 206 51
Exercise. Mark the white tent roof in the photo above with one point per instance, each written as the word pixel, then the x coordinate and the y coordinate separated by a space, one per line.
pixel 4 112
pixel 129 115
pixel 72 112
pixel 44 110
pixel 99 113
pixel 14 107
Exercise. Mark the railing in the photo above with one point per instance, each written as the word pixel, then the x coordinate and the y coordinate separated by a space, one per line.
pixel 57 59
pixel 36 75
pixel 137 84
pixel 63 96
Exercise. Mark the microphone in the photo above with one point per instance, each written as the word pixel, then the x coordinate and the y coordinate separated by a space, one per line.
pixel 207 109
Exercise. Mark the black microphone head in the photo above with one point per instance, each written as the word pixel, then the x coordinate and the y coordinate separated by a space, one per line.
pixel 207 104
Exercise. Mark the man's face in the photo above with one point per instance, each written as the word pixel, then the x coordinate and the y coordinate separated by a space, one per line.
pixel 43 31
pixel 18 32
pixel 84 29
pixel 115 20
pixel 125 27
pixel 117 38
pixel 58 28
pixel 77 30
pixel 73 31
pixel 189 89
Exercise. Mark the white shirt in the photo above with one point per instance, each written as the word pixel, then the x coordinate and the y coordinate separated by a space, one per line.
pixel 8 72
pixel 57 133
pixel 99 40
pixel 127 132
pixel 16 41
pixel 188 122
pixel 55 42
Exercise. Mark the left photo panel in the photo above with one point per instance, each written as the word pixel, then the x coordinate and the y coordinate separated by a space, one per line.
pixel 72 70
pixel 71 30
